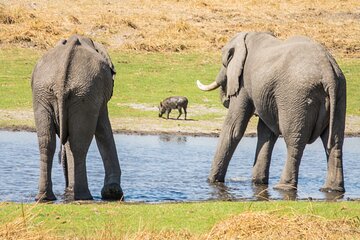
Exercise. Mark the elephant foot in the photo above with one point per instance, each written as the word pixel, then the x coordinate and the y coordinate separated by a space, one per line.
pixel 112 191
pixel 45 197
pixel 260 181
pixel 216 179
pixel 70 195
pixel 330 189
pixel 285 187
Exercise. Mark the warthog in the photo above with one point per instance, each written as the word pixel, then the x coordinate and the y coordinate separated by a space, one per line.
pixel 176 102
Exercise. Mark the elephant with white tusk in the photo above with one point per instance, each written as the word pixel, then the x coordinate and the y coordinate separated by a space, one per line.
pixel 297 90
pixel 71 85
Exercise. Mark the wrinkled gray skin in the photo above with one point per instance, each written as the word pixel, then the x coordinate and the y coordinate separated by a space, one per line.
pixel 176 102
pixel 297 90
pixel 71 85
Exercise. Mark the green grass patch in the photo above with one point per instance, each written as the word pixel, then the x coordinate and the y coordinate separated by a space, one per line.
pixel 145 79
pixel 351 70
pixel 141 78
pixel 87 220
pixel 16 67
pixel 149 78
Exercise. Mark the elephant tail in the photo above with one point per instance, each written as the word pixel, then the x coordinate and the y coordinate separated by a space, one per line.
pixel 63 132
pixel 64 163
pixel 332 97
pixel 62 85
pixel 335 89
pixel 63 129
pixel 62 82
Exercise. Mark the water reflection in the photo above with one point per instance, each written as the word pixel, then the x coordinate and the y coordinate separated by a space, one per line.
pixel 172 138
pixel 261 192
pixel 221 192
pixel 333 196
pixel 288 195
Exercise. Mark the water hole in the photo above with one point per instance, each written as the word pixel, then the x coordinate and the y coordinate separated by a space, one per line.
pixel 172 168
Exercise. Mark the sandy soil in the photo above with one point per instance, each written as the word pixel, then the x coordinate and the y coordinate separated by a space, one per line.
pixel 23 120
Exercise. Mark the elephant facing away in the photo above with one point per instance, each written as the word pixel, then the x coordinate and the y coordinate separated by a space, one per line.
pixel 71 85
pixel 297 90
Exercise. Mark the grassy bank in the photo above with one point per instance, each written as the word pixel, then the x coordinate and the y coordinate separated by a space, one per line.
pixel 181 220
pixel 143 78
pixel 142 81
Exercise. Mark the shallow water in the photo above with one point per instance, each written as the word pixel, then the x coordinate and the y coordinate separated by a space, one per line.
pixel 174 168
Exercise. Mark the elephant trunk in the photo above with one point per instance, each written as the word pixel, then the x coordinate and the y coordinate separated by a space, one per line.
pixel 220 80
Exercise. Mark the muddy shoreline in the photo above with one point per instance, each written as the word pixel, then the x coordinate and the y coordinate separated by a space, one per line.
pixel 156 132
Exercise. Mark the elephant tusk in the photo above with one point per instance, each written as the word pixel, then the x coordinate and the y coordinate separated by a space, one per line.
pixel 211 86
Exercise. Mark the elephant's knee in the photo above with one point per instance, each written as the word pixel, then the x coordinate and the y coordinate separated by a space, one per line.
pixel 237 131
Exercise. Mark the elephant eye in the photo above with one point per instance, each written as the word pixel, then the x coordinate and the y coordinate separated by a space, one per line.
pixel 230 55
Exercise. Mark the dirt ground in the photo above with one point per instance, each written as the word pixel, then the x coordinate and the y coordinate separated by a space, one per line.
pixel 23 120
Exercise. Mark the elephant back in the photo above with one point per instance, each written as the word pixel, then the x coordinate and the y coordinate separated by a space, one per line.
pixel 72 71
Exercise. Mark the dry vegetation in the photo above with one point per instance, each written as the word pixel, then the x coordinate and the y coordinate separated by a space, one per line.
pixel 270 226
pixel 24 228
pixel 258 226
pixel 250 225
pixel 178 25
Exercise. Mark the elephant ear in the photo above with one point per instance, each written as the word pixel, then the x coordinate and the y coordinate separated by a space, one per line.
pixel 61 42
pixel 223 96
pixel 234 59
pixel 101 49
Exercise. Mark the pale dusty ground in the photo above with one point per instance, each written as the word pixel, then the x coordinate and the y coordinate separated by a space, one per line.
pixel 23 120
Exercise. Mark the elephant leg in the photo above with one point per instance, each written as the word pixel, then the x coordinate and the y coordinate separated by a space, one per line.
pixel 167 113
pixel 180 112
pixel 289 177
pixel 106 144
pixel 47 145
pixel 185 113
pixel 81 126
pixel 335 175
pixel 239 114
pixel 265 145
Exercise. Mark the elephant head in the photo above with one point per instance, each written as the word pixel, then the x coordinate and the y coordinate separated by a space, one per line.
pixel 233 60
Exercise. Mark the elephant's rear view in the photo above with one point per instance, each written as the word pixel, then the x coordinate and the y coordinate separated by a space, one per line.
pixel 71 86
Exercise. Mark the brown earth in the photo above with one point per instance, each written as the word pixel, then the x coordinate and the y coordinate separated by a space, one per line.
pixel 16 120
pixel 178 25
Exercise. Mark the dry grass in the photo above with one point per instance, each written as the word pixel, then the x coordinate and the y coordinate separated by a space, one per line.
pixel 271 226
pixel 24 228
pixel 250 225
pixel 263 225
pixel 178 25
